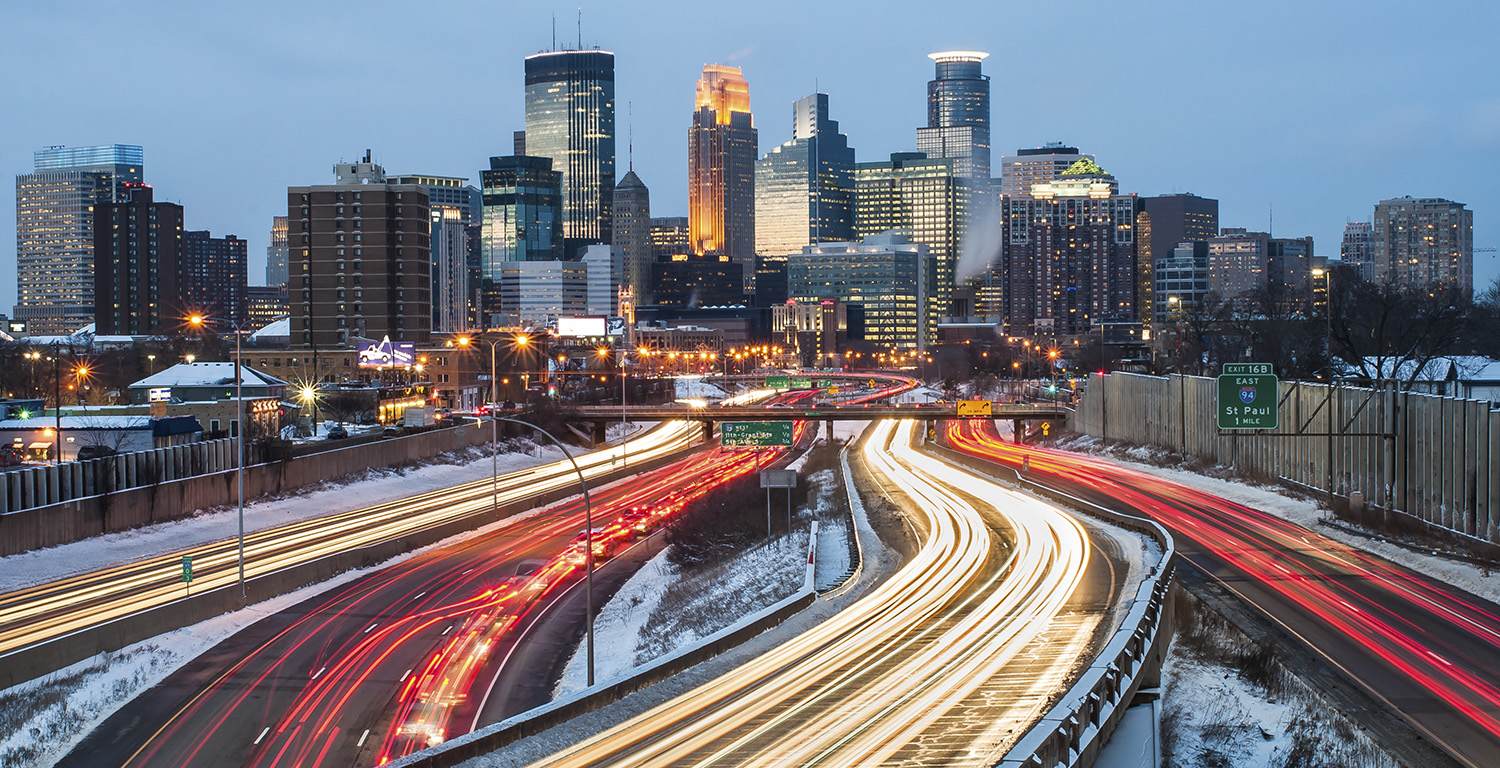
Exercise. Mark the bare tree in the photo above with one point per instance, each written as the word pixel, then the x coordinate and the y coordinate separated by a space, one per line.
pixel 1387 331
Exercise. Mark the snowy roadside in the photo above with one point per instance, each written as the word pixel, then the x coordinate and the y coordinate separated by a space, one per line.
pixel 377 485
pixel 1277 501
pixel 43 719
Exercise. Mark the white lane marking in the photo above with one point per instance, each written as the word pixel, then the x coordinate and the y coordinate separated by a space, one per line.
pixel 363 737
pixel 321 671
pixel 403 677
pixel 262 735
pixel 419 594
pixel 372 626
pixel 449 629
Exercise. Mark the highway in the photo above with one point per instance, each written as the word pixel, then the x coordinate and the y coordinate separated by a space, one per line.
pixel 945 663
pixel 1426 650
pixel 38 614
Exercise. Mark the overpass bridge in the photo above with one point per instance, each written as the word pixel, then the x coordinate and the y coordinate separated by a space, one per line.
pixel 601 415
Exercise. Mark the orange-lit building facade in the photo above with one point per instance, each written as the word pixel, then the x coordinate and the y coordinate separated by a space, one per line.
pixel 722 148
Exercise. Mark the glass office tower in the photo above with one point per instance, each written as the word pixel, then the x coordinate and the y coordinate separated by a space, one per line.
pixel 570 118
pixel 722 145
pixel 55 230
pixel 804 188
pixel 958 116
pixel 522 220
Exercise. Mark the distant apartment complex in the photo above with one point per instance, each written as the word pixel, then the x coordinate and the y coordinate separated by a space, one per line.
pixel 1422 243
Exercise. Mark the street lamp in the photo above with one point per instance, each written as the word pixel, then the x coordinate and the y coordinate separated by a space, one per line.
pixel 199 321
pixel 588 539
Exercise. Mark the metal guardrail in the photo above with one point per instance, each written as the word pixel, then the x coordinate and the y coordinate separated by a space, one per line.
pixel 826 413
pixel 1076 728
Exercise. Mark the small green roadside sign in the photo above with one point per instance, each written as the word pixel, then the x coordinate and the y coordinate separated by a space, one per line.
pixel 187 569
pixel 1247 397
pixel 778 382
pixel 755 434
pixel 825 383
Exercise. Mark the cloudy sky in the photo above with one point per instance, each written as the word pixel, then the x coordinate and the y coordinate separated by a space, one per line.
pixel 1313 110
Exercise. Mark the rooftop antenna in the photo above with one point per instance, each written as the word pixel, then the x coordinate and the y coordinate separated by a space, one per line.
pixel 580 28
pixel 1271 219
pixel 630 134
pixel 554 31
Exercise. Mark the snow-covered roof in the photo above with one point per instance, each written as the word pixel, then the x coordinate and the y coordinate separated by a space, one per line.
pixel 1458 367
pixel 91 421
pixel 206 374
pixel 277 329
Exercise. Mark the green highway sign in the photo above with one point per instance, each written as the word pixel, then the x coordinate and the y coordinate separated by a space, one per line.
pixel 801 382
pixel 825 383
pixel 187 569
pixel 755 434
pixel 778 382
pixel 1247 397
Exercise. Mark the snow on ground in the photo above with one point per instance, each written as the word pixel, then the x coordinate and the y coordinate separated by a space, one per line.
pixel 696 387
pixel 833 555
pixel 375 486
pixel 660 610
pixel 80 697
pixel 1304 512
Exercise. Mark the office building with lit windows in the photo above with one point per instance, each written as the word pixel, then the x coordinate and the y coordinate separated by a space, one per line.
pixel 55 230
pixel 137 272
pixel 570 118
pixel 1067 257
pixel 1422 243
pixel 887 276
pixel 361 264
pixel 923 199
pixel 722 149
pixel 1181 281
pixel 1037 165
pixel 532 293
pixel 213 275
pixel 1164 222
pixel 276 254
pixel 669 237
pixel 804 188
pixel 958 116
pixel 522 221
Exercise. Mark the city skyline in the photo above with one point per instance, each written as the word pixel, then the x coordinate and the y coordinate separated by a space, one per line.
pixel 1323 150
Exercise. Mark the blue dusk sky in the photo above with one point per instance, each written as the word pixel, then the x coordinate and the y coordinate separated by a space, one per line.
pixel 1313 110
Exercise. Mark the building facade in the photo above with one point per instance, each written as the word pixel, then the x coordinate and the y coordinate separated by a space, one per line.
pixel 605 266
pixel 958 116
pixel 450 269
pixel 1067 258
pixel 1422 243
pixel 886 275
pixel 632 233
pixel 722 147
pixel 522 220
pixel 138 275
pixel 669 237
pixel 55 230
pixel 924 199
pixel 214 275
pixel 1181 281
pixel 360 264
pixel 1037 165
pixel 264 305
pixel 532 293
pixel 1357 250
pixel 804 189
pixel 277 255
pixel 570 118
pixel 1164 222
pixel 696 280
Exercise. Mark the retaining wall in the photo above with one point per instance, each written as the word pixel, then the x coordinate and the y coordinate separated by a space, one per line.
pixel 1427 456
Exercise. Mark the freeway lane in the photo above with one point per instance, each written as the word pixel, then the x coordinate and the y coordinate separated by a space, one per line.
pixel 1425 649
pixel 385 665
pixel 944 663
pixel 38 614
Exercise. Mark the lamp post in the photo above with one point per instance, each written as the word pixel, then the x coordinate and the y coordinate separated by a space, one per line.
pixel 465 341
pixel 588 538
pixel 199 321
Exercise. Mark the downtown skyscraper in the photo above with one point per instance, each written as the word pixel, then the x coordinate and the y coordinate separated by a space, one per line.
pixel 804 189
pixel 722 148
pixel 570 118
pixel 958 116
pixel 55 206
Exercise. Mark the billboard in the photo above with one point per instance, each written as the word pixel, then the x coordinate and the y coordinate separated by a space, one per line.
pixel 159 395
pixel 615 326
pixel 580 326
pixel 386 353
